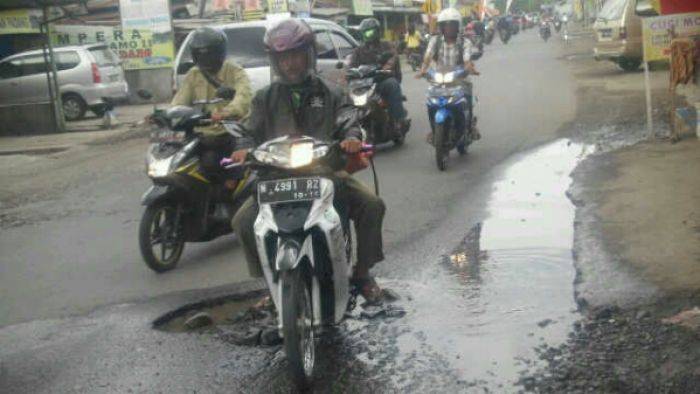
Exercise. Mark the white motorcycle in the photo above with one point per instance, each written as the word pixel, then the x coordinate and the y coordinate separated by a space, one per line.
pixel 304 242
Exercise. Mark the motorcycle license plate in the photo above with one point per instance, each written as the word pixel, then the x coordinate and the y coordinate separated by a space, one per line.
pixel 287 190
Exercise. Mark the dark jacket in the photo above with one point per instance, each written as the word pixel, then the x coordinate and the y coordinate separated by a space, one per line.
pixel 380 54
pixel 273 114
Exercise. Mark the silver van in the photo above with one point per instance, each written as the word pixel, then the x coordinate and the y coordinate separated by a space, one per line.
pixel 86 74
pixel 245 47
pixel 619 34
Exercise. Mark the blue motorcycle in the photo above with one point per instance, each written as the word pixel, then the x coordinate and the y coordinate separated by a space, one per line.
pixel 450 110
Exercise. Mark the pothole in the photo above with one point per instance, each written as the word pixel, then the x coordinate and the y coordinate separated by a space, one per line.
pixel 221 311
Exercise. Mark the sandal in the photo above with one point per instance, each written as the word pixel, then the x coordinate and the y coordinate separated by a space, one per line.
pixel 369 289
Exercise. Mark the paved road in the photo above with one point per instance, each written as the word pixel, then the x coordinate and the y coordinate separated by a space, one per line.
pixel 78 248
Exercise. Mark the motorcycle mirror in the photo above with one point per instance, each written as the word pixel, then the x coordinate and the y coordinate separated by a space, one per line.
pixel 475 56
pixel 225 93
pixel 144 94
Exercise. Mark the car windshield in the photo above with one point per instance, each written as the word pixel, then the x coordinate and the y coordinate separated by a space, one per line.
pixel 104 57
pixel 613 10
pixel 245 47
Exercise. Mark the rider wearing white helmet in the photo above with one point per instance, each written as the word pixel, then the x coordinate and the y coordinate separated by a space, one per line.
pixel 448 50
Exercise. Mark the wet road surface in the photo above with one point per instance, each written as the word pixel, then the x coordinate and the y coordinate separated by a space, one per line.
pixel 480 255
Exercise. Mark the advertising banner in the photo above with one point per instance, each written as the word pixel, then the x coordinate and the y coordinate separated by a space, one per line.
pixel 20 21
pixel 657 37
pixel 137 48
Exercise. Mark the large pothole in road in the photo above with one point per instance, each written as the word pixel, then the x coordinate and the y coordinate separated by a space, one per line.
pixel 243 319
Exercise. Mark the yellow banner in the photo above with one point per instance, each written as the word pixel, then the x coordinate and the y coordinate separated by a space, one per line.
pixel 20 21
pixel 657 37
pixel 138 49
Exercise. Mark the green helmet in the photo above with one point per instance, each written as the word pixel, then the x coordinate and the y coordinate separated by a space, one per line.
pixel 369 28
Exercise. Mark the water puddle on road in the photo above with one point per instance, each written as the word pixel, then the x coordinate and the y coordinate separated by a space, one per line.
pixel 508 287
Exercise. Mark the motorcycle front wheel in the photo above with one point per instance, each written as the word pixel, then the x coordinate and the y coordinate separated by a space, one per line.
pixel 440 142
pixel 297 327
pixel 161 237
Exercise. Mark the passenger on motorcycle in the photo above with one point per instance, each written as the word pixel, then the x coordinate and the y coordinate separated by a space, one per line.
pixel 212 71
pixel 448 50
pixel 375 52
pixel 301 103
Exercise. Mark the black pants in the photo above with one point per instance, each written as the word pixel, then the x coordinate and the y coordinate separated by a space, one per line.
pixel 213 149
pixel 390 90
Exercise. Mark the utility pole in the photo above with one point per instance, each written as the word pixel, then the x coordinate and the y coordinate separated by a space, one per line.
pixel 51 75
pixel 202 8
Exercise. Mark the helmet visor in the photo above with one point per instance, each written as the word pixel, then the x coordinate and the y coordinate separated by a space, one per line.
pixel 370 34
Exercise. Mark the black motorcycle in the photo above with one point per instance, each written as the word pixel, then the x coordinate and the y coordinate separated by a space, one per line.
pixel 504 29
pixel 185 203
pixel 374 114
pixel 545 31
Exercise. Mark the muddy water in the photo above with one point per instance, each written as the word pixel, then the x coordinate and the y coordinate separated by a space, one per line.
pixel 508 287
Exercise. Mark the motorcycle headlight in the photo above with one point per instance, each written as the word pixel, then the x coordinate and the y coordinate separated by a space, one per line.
pixel 444 77
pixel 290 156
pixel 158 168
pixel 360 98
pixel 301 155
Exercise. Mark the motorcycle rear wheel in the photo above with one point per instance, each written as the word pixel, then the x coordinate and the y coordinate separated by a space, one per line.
pixel 159 227
pixel 441 150
pixel 297 327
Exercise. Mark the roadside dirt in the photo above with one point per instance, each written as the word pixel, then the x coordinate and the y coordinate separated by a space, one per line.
pixel 637 253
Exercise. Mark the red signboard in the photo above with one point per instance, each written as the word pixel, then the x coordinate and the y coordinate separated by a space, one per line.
pixel 679 6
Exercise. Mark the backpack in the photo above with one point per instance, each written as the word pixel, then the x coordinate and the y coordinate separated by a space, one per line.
pixel 438 46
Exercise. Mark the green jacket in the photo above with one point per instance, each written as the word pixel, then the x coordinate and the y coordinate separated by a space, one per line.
pixel 195 87
pixel 273 114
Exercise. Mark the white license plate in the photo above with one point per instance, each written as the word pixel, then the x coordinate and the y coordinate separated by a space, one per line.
pixel 288 190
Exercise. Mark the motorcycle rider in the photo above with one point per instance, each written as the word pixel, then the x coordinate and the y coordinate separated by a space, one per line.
pixel 211 72
pixel 301 103
pixel 375 52
pixel 449 50
pixel 413 40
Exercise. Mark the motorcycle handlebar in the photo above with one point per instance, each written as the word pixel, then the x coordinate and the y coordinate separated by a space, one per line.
pixel 228 163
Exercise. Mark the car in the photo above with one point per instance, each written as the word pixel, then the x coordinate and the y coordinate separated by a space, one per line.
pixel 619 34
pixel 86 75
pixel 245 47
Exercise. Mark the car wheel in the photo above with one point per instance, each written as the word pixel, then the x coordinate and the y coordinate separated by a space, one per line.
pixel 74 107
pixel 628 64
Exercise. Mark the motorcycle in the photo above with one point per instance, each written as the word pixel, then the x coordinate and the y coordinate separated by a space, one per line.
pixel 183 204
pixel 374 117
pixel 415 57
pixel 557 25
pixel 305 242
pixel 489 31
pixel 447 102
pixel 545 31
pixel 504 30
pixel 473 33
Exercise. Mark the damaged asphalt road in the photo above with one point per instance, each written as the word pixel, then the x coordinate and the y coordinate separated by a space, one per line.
pixel 493 277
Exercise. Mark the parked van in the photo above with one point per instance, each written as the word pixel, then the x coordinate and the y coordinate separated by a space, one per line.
pixel 619 34
pixel 245 47
pixel 86 75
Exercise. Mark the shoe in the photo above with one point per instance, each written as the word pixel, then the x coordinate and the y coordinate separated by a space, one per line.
pixel 369 289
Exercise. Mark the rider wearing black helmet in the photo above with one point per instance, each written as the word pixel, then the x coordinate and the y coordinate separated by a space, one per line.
pixel 375 52
pixel 212 71
pixel 299 103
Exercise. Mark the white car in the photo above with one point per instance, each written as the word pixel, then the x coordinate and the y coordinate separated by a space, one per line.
pixel 245 47
pixel 86 75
